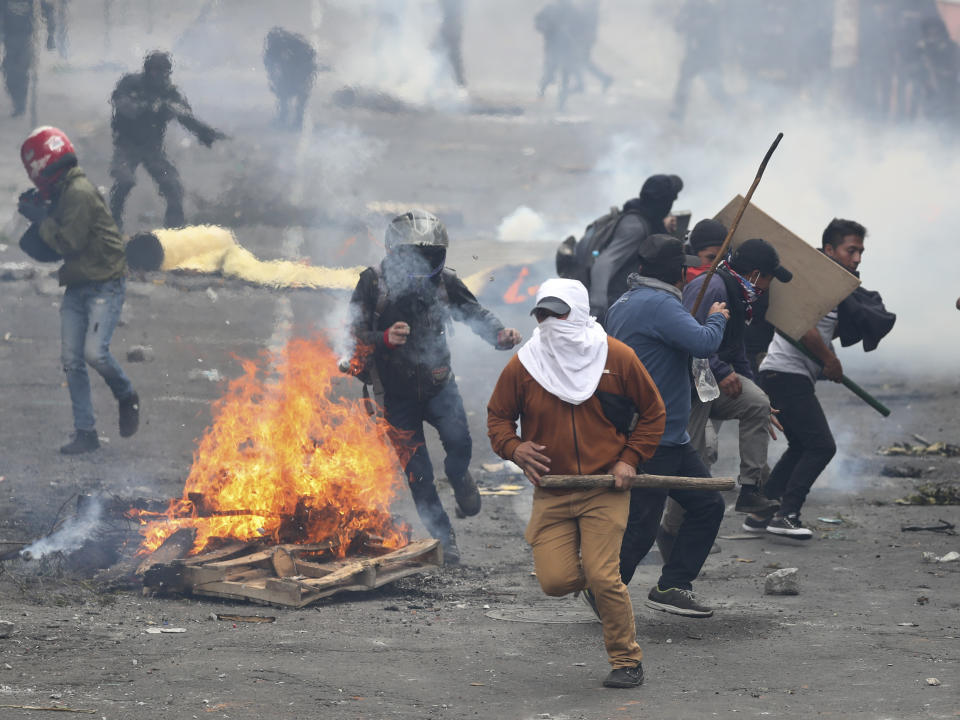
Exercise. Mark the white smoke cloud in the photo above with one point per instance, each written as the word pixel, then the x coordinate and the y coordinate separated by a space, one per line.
pixel 523 225
pixel 70 536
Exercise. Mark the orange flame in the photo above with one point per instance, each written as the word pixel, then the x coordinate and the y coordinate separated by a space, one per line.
pixel 284 460
pixel 513 295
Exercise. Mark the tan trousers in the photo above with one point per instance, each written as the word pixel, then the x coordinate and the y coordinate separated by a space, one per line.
pixel 576 544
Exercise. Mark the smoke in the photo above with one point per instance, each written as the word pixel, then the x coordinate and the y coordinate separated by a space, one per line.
pixel 523 225
pixel 71 535
pixel 398 52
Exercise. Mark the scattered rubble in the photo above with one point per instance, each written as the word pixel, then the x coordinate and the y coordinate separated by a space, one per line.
pixel 140 353
pixel 929 557
pixel 785 581
pixel 937 448
pixel 6 628
pixel 933 682
pixel 901 471
pixel 213 375
pixel 933 494
pixel 944 527
pixel 13 271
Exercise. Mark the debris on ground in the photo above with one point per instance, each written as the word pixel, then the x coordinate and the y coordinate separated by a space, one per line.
pixel 6 628
pixel 951 556
pixel 502 489
pixel 933 494
pixel 944 527
pixel 506 466
pixel 245 618
pixel 13 271
pixel 831 520
pixel 933 682
pixel 937 448
pixel 140 353
pixel 165 630
pixel 785 581
pixel 901 471
pixel 211 375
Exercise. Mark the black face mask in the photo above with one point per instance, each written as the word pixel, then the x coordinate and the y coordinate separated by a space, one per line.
pixel 419 261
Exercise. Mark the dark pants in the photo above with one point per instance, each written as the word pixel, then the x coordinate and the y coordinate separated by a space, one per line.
pixel 811 445
pixel 703 514
pixel 445 412
pixel 127 157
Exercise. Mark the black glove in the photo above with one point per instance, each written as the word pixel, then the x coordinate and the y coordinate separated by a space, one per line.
pixel 32 207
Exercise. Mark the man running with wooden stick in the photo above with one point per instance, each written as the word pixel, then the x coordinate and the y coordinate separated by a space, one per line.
pixel 588 407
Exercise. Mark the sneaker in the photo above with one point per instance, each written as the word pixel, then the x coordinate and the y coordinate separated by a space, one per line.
pixel 129 415
pixel 81 442
pixel 677 602
pixel 753 525
pixel 467 494
pixel 625 677
pixel 590 600
pixel 751 500
pixel 789 526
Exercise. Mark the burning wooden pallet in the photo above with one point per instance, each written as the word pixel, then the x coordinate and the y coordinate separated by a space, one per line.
pixel 288 575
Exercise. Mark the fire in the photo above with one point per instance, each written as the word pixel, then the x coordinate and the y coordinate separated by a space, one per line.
pixel 285 460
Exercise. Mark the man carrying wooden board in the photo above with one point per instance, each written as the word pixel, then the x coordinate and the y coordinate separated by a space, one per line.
pixel 788 375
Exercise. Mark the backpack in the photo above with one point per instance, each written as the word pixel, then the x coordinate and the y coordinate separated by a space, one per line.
pixel 575 258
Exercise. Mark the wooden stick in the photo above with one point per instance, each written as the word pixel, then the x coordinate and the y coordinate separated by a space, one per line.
pixel 847 382
pixel 50 709
pixel 733 226
pixel 667 482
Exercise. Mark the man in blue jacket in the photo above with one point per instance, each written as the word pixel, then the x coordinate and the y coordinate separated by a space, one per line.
pixel 651 319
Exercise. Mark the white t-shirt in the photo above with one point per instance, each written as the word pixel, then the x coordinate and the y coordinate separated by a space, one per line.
pixel 784 357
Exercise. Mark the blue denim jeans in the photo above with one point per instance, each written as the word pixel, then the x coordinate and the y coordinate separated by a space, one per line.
pixel 445 412
pixel 88 315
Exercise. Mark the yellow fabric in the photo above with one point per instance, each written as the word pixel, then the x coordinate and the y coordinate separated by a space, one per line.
pixel 213 249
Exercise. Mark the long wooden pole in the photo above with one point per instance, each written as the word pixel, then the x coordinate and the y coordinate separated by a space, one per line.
pixel 733 226
pixel 844 380
pixel 667 482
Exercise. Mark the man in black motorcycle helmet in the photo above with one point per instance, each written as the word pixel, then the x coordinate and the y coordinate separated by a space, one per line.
pixel 400 311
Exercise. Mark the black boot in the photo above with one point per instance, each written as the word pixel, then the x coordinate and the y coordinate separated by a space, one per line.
pixel 451 553
pixel 83 441
pixel 129 414
pixel 467 495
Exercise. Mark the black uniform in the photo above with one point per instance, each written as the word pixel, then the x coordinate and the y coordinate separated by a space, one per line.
pixel 450 37
pixel 291 64
pixel 141 112
pixel 18 52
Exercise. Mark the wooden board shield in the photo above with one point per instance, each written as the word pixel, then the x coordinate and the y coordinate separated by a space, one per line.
pixel 818 284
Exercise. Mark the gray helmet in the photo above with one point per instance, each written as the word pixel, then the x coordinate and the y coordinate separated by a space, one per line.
pixel 416 227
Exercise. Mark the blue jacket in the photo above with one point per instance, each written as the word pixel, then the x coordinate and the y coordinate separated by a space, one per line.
pixel 732 355
pixel 664 335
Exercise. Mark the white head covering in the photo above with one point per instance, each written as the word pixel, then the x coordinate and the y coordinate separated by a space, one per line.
pixel 567 357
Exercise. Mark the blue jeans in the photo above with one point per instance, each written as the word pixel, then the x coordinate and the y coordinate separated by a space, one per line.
pixel 445 412
pixel 88 315
pixel 701 521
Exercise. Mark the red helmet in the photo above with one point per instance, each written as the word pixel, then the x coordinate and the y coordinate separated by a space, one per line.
pixel 46 154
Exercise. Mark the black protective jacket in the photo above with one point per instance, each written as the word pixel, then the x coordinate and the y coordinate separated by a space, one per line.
pixel 420 367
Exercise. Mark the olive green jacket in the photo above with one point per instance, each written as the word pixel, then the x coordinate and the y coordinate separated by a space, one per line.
pixel 81 229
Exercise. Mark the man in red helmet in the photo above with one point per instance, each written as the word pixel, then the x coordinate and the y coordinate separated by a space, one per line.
pixel 70 222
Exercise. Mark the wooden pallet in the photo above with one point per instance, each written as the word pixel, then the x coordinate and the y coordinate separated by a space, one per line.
pixel 280 574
